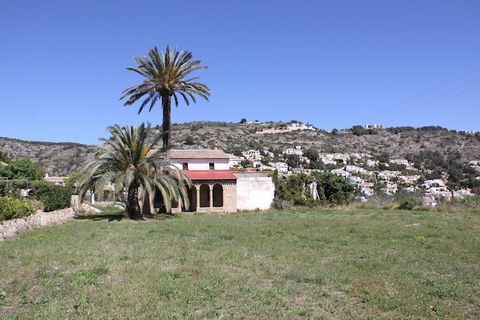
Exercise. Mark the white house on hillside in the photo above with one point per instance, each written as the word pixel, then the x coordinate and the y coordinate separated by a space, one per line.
pixel 297 151
pixel 252 155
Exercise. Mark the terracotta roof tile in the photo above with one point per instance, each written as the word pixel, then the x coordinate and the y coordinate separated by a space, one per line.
pixel 197 154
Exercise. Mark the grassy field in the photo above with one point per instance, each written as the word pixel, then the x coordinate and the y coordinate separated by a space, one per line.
pixel 292 265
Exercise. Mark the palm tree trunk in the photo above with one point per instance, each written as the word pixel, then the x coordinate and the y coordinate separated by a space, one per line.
pixel 166 106
pixel 133 207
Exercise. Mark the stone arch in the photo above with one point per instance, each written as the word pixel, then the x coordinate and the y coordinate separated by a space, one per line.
pixel 218 195
pixel 204 196
pixel 193 199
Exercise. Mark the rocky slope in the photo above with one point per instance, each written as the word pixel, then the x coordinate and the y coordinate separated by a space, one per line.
pixel 57 158
pixel 64 158
pixel 397 142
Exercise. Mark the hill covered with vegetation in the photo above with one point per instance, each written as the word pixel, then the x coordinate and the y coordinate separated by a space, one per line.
pixel 397 142
pixel 57 158
pixel 64 158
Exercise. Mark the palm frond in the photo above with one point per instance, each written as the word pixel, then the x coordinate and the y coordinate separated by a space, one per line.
pixel 126 160
pixel 165 73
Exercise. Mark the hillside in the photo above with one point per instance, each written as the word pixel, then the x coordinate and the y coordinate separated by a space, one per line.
pixel 395 141
pixel 59 158
pixel 63 158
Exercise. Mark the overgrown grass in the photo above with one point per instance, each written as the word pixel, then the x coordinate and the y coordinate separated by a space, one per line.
pixel 292 265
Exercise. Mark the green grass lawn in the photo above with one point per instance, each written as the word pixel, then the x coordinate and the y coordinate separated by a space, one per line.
pixel 292 265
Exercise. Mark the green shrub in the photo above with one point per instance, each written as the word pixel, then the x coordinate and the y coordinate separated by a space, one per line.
pixel 53 197
pixel 410 203
pixel 11 208
pixel 189 140
pixel 333 189
pixel 470 202
pixel 296 189
pixel 21 169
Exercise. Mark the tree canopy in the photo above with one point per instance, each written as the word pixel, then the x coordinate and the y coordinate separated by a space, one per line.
pixel 128 160
pixel 22 169
pixel 166 75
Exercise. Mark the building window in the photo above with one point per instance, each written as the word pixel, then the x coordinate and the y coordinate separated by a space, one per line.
pixel 211 166
pixel 185 166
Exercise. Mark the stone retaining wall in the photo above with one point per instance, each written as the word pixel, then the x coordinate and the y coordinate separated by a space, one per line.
pixel 10 228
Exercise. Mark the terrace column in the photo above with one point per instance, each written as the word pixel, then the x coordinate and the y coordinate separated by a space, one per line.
pixel 198 197
pixel 211 196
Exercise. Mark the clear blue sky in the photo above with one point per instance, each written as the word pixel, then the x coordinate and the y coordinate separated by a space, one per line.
pixel 330 63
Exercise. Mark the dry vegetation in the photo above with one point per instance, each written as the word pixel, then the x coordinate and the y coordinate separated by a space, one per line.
pixel 64 158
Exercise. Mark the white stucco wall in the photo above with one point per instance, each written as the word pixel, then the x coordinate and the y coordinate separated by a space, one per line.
pixel 254 191
pixel 202 164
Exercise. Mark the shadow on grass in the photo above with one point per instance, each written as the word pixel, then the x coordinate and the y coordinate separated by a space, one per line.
pixel 120 216
pixel 159 216
pixel 102 217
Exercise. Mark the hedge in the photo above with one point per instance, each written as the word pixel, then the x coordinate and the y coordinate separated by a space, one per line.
pixel 52 197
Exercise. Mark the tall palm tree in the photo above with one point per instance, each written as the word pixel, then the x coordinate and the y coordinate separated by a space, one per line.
pixel 167 75
pixel 128 161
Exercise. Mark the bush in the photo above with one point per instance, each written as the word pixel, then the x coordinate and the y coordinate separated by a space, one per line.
pixel 296 189
pixel 11 208
pixel 410 203
pixel 333 189
pixel 53 197
pixel 470 202
pixel 189 140
pixel 21 169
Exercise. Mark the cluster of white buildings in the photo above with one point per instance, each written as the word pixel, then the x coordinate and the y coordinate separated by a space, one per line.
pixel 359 168
pixel 373 126
pixel 293 126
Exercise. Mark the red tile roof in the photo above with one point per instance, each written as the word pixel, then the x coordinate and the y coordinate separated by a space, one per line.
pixel 197 154
pixel 210 175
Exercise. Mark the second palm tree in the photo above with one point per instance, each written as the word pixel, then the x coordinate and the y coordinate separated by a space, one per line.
pixel 167 77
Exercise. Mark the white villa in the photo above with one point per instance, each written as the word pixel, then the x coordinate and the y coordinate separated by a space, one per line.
pixel 215 187
pixel 252 155
pixel 355 169
pixel 234 161
pixel 373 126
pixel 294 126
pixel 333 158
pixel 387 174
pixel 404 162
pixel 59 181
pixel 281 167
pixel 297 151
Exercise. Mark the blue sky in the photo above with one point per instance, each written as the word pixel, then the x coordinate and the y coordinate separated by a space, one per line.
pixel 330 63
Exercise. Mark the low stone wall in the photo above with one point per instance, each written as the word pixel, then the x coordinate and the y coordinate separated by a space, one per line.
pixel 10 228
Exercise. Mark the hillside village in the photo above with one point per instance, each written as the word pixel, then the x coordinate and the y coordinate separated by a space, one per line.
pixel 361 169
pixel 370 173
pixel 437 178
pixel 445 165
